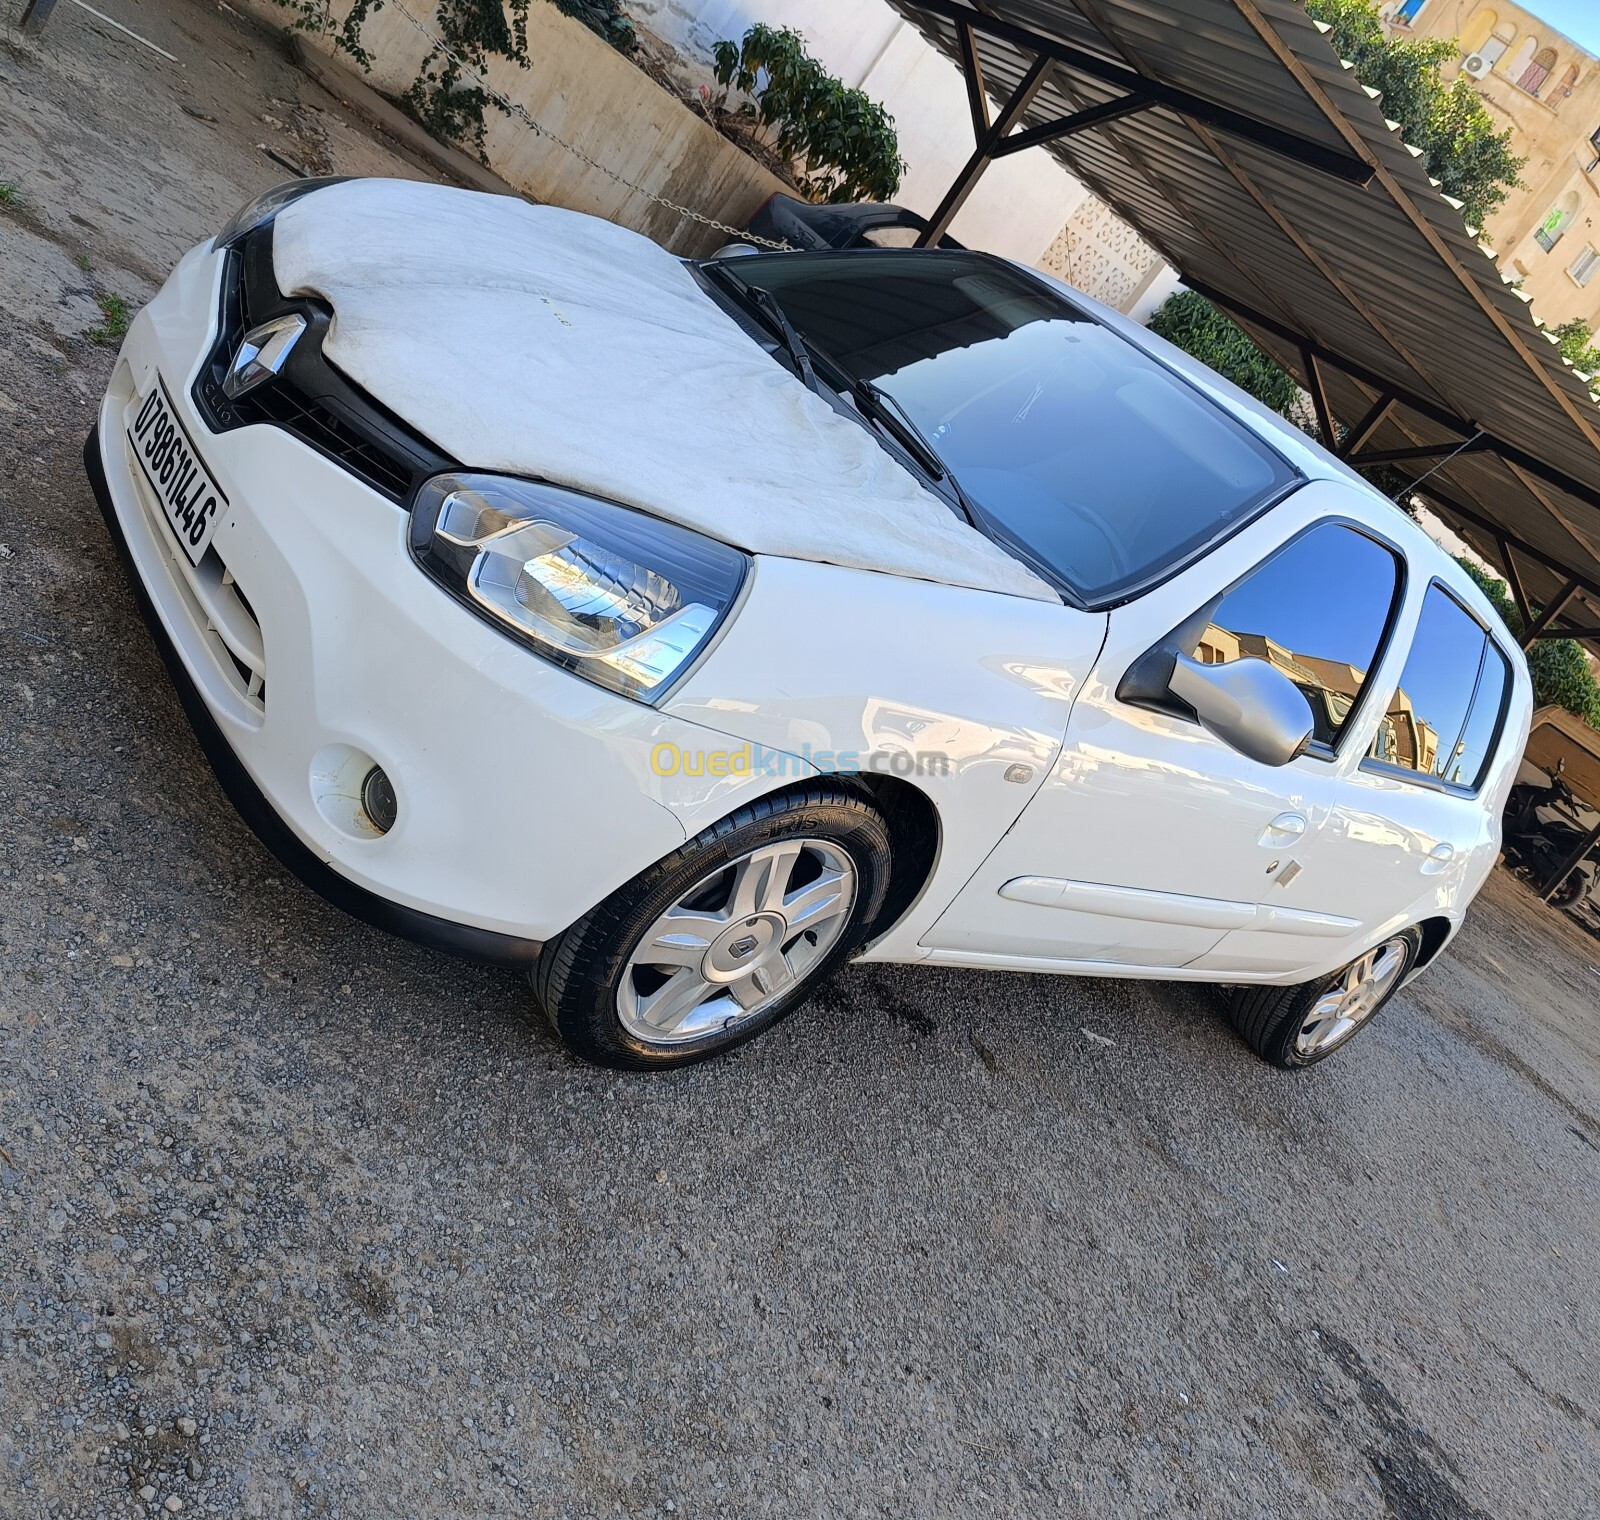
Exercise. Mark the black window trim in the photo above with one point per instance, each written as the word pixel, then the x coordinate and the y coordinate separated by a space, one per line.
pixel 1330 754
pixel 1432 783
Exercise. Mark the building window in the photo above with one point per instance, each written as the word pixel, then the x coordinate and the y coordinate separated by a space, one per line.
pixel 1409 12
pixel 1583 267
pixel 1560 218
pixel 1513 65
pixel 1538 70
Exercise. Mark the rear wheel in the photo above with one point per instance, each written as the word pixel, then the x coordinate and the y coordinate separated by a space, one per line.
pixel 1572 892
pixel 1299 1026
pixel 716 943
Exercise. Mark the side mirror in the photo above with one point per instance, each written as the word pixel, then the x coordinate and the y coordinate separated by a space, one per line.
pixel 1251 706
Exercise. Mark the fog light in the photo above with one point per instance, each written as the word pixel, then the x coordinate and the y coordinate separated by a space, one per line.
pixel 378 800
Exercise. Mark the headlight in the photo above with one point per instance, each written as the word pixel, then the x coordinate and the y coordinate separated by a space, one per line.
pixel 268 204
pixel 620 598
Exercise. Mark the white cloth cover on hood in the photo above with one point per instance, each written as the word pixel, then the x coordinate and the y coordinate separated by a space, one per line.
pixel 543 342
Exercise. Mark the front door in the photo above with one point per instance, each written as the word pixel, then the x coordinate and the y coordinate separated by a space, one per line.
pixel 1152 840
pixel 1406 832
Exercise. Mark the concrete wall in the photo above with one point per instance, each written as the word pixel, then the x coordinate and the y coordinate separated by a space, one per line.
pixel 582 89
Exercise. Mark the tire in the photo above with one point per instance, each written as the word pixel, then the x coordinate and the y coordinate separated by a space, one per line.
pixel 1281 1024
pixel 1572 893
pixel 716 912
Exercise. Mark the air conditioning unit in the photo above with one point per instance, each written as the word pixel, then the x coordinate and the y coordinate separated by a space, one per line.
pixel 1478 66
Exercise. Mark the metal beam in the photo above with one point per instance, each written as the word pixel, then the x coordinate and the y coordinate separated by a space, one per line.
pixel 1566 633
pixel 1066 126
pixel 1420 451
pixel 1514 579
pixel 1489 443
pixel 1494 529
pixel 1549 615
pixel 1361 434
pixel 1303 150
pixel 1319 400
pixel 1569 865
pixel 977 89
pixel 972 171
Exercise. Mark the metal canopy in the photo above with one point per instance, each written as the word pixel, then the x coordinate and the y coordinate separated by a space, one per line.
pixel 1232 138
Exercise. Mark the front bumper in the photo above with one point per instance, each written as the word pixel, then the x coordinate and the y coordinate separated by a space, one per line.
pixel 308 634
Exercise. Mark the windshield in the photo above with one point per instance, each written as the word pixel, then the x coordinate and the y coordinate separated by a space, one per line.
pixel 1095 460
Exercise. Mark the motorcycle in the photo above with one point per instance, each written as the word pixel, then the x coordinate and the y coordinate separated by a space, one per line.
pixel 1541 831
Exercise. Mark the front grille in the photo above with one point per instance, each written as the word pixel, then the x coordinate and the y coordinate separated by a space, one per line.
pixel 314 423
pixel 310 399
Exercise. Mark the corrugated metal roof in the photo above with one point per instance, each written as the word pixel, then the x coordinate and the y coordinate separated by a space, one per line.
pixel 1385 276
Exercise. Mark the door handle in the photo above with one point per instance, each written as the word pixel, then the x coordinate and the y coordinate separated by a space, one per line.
pixel 1284 829
pixel 1438 858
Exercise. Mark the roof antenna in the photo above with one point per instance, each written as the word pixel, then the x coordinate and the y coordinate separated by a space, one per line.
pixel 1407 490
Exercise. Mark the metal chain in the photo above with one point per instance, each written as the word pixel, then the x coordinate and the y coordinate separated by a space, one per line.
pixel 514 108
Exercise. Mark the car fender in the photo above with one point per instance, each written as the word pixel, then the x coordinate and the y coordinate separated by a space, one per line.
pixel 963 694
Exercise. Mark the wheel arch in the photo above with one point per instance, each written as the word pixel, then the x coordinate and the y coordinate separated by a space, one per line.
pixel 1435 933
pixel 914 834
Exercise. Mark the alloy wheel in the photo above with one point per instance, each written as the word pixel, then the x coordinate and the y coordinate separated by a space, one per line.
pixel 1357 994
pixel 741 937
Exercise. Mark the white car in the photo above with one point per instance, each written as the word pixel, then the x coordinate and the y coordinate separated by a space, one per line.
pixel 676 631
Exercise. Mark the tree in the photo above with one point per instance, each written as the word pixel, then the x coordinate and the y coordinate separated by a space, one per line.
pixel 1198 328
pixel 845 139
pixel 1449 123
pixel 1577 347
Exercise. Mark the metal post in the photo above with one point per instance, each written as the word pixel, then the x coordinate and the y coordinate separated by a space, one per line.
pixel 977 90
pixel 1549 615
pixel 1514 581
pixel 1319 400
pixel 35 13
pixel 972 172
pixel 1361 434
pixel 1570 864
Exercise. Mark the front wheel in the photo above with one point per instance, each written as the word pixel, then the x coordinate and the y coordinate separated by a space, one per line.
pixel 709 947
pixel 1298 1026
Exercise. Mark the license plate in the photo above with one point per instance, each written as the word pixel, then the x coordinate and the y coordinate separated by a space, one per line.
pixel 171 463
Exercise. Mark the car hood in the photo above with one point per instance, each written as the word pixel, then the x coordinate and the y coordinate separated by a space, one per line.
pixel 547 343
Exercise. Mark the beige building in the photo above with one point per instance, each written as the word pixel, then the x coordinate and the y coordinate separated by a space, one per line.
pixel 1547 90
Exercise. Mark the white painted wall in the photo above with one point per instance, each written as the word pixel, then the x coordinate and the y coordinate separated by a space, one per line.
pixel 1021 203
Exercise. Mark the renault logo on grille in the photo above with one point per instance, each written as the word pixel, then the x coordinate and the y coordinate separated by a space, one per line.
pixel 262 354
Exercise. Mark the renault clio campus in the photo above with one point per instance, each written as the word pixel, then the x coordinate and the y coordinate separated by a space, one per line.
pixel 675 631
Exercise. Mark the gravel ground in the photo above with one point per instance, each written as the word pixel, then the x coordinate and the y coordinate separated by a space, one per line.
pixel 297 1220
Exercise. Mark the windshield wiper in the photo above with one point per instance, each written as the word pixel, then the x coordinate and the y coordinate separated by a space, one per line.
pixel 767 304
pixel 872 401
pixel 887 412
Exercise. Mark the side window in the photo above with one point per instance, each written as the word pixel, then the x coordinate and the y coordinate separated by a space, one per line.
pixel 1444 717
pixel 1318 610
